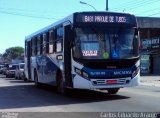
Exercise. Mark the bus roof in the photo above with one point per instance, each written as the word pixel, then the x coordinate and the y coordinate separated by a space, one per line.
pixel 75 19
pixel 45 29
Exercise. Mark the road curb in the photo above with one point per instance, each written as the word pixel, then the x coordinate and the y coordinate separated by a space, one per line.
pixel 150 84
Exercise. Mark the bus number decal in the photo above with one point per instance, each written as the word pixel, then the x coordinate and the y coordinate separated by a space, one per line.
pixel 89 19
pixel 89 53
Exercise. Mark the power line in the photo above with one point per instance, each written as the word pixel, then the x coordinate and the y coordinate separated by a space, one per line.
pixel 27 15
pixel 33 12
pixel 141 5
pixel 24 10
pixel 30 14
pixel 154 14
pixel 122 4
pixel 21 10
pixel 130 4
pixel 150 10
pixel 137 5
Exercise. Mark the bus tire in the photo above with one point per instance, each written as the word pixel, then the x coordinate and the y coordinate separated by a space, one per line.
pixel 60 84
pixel 113 91
pixel 24 78
pixel 36 83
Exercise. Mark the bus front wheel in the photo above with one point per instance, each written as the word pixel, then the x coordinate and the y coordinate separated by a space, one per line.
pixel 113 90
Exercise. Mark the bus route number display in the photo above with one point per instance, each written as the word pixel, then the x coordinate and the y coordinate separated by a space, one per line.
pixel 104 19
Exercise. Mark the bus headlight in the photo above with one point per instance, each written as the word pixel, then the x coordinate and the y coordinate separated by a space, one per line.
pixel 84 74
pixel 78 71
pixel 81 73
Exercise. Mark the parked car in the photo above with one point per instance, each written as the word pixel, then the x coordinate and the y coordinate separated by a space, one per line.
pixel 19 73
pixel 5 68
pixel 11 70
pixel 1 69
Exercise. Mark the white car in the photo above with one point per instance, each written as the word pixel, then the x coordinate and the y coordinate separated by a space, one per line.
pixel 19 73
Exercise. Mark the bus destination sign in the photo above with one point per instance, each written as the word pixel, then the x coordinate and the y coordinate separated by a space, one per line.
pixel 103 19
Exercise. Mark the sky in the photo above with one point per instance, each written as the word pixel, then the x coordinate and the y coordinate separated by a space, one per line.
pixel 19 18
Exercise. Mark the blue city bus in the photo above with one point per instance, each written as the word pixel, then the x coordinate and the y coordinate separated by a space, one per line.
pixel 86 50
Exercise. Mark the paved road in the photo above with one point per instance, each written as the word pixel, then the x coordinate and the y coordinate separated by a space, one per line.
pixel 18 96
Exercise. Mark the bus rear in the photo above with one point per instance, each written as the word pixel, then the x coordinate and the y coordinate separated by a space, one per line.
pixel 105 52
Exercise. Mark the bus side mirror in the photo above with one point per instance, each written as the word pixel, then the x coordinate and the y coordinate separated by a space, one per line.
pixel 137 40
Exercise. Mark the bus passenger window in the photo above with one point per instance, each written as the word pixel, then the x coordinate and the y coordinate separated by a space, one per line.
pixel 41 44
pixel 26 48
pixel 59 39
pixel 58 46
pixel 34 43
pixel 51 42
pixel 44 43
pixel 38 45
pixel 47 42
pixel 30 47
pixel 35 49
pixel 59 33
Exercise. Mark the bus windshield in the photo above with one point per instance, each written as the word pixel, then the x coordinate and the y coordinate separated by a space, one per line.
pixel 105 43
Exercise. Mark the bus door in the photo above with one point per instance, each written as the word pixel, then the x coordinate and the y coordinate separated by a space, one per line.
pixel 68 37
pixel 29 59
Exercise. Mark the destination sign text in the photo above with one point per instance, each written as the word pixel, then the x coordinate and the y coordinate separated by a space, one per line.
pixel 104 19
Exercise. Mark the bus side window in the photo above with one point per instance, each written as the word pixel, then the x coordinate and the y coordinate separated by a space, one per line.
pixel 32 46
pixel 29 48
pixel 47 42
pixel 25 48
pixel 35 45
pixel 59 39
pixel 51 41
pixel 41 44
pixel 38 45
pixel 44 43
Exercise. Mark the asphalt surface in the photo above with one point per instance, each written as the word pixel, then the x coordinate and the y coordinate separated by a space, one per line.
pixel 19 96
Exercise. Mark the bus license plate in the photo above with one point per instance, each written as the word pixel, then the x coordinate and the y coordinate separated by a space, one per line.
pixel 111 81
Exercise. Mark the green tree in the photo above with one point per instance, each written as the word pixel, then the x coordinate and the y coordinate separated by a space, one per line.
pixel 13 53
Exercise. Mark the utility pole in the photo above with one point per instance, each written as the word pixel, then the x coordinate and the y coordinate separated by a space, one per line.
pixel 106 5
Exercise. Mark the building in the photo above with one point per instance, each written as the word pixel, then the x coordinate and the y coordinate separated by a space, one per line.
pixel 150 44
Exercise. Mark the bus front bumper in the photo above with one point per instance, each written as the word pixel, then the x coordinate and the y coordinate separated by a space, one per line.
pixel 83 83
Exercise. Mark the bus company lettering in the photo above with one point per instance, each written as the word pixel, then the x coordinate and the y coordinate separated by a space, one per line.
pixel 127 72
pixel 105 19
pixel 97 73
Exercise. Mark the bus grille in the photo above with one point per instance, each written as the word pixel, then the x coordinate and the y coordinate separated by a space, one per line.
pixel 103 81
